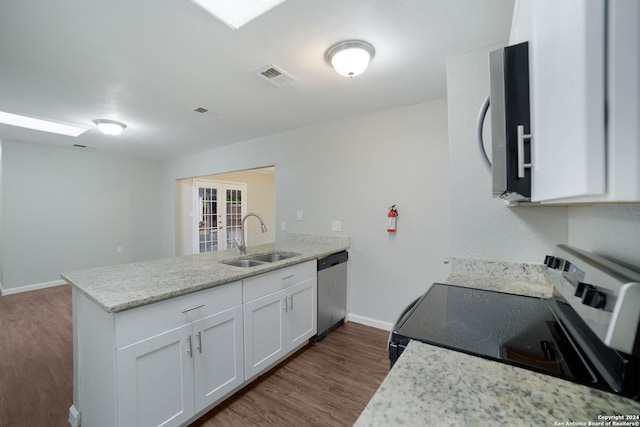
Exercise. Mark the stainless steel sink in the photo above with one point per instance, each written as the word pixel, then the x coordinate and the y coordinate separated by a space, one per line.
pixel 243 262
pixel 275 256
pixel 256 260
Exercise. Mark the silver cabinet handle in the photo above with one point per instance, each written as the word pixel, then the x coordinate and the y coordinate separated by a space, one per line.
pixel 288 277
pixel 286 305
pixel 189 346
pixel 199 344
pixel 186 310
pixel 521 138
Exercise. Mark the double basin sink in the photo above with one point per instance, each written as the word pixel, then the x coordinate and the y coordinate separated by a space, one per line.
pixel 256 260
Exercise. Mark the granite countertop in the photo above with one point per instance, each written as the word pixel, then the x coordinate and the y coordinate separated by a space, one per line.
pixel 432 386
pixel 502 276
pixel 122 287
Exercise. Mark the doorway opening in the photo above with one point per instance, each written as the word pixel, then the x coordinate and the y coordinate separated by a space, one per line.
pixel 210 210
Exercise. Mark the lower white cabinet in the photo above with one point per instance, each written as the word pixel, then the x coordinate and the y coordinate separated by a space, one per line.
pixel 281 321
pixel 164 363
pixel 155 380
pixel 167 379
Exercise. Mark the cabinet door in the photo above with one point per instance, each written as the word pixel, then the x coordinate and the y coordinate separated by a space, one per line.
pixel 264 332
pixel 155 380
pixel 218 356
pixel 302 321
pixel 567 67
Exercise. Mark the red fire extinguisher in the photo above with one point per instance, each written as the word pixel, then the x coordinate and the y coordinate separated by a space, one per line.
pixel 393 219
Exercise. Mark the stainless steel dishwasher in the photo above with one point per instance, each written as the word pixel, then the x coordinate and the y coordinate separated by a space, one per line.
pixel 332 293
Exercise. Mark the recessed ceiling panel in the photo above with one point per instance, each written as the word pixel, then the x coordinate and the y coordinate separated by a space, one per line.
pixel 236 13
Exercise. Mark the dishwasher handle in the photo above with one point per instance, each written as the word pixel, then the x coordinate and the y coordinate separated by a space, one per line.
pixel 333 260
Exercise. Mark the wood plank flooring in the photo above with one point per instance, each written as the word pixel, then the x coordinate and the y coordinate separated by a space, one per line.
pixel 325 384
pixel 36 358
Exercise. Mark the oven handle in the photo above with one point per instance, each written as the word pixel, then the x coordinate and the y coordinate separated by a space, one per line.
pixel 557 314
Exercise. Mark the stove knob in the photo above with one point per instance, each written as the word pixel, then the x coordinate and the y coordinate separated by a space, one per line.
pixel 594 298
pixel 582 288
pixel 551 261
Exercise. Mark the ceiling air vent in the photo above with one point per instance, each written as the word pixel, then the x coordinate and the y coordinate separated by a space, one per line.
pixel 276 75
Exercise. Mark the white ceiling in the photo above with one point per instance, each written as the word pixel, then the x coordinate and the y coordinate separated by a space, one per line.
pixel 150 63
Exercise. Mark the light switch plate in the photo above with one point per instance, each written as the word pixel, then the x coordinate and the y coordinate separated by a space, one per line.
pixel 336 225
pixel 299 215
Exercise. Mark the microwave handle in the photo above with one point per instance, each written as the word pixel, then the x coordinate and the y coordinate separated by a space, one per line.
pixel 521 138
pixel 479 126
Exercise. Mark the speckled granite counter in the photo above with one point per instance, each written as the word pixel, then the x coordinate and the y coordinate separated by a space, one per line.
pixel 501 276
pixel 121 287
pixel 432 386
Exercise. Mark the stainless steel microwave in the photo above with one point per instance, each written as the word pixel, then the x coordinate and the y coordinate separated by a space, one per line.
pixel 510 122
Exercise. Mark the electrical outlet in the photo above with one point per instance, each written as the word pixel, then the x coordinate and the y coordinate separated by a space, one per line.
pixel 283 226
pixel 299 215
pixel 336 225
pixel 119 249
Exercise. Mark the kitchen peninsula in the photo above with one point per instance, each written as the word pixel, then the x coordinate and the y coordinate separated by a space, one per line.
pixel 166 340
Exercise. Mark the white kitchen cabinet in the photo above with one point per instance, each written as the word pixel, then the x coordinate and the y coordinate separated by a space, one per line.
pixel 167 379
pixel 218 356
pixel 162 363
pixel 167 362
pixel 585 98
pixel 279 315
pixel 568 99
pixel 155 380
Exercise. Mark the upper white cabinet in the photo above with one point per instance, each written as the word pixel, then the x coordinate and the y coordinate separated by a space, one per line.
pixel 585 96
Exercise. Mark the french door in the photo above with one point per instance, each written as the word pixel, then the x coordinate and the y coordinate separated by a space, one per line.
pixel 219 210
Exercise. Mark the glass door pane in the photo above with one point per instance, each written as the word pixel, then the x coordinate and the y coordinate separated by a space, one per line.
pixel 208 221
pixel 234 217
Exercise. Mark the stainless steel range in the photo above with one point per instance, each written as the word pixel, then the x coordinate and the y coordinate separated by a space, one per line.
pixel 587 333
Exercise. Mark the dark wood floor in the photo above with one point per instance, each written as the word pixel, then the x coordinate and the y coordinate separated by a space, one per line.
pixel 36 358
pixel 325 384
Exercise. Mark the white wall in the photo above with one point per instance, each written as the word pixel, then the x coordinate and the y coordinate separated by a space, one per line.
pixel 609 230
pixel 66 209
pixel 351 170
pixel 483 227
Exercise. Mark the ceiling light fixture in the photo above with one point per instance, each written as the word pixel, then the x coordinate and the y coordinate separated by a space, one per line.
pixel 236 13
pixel 350 58
pixel 41 125
pixel 110 127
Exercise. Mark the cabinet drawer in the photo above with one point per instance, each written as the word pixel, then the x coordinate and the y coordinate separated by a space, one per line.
pixel 264 284
pixel 149 320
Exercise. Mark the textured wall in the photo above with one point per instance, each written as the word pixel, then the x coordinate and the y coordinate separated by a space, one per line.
pixel 351 170
pixel 66 209
pixel 609 230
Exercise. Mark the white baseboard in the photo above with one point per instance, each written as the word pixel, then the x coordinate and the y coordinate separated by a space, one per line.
pixel 33 287
pixel 369 322
pixel 74 417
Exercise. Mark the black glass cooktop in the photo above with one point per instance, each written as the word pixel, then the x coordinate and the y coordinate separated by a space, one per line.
pixel 513 329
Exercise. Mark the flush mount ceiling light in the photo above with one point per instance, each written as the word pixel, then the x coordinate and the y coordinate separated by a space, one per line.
pixel 110 127
pixel 236 13
pixel 41 125
pixel 350 58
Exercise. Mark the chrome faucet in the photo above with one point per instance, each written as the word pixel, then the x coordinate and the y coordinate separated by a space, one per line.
pixel 242 246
